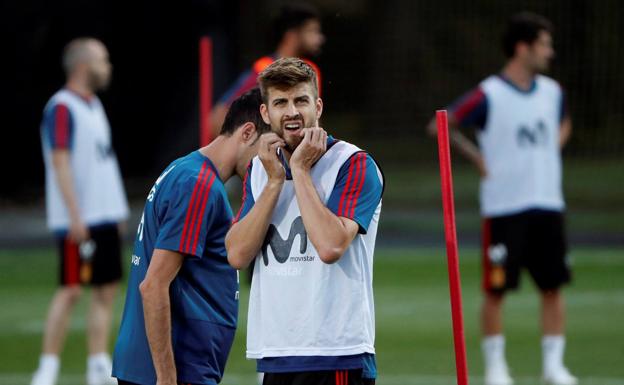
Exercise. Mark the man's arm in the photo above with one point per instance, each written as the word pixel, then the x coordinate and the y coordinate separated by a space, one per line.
pixel 459 141
pixel 245 238
pixel 163 268
pixel 61 162
pixel 58 134
pixel 331 235
pixel 565 131
pixel 469 110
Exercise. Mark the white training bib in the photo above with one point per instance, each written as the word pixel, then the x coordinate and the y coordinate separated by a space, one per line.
pixel 520 145
pixel 299 305
pixel 95 172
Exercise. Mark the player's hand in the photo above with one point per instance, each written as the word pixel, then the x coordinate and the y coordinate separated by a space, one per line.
pixel 78 232
pixel 311 148
pixel 267 152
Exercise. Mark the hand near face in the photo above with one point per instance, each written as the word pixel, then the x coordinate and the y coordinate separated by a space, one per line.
pixel 267 152
pixel 311 148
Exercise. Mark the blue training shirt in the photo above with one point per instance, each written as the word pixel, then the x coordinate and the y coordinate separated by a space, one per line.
pixel 360 210
pixel 186 211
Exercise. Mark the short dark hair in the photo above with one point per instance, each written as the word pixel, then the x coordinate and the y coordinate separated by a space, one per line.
pixel 291 16
pixel 245 108
pixel 286 73
pixel 524 27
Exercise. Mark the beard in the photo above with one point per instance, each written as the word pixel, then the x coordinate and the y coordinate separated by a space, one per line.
pixel 290 136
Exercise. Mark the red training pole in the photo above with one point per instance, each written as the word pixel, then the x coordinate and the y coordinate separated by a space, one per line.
pixel 205 89
pixel 451 247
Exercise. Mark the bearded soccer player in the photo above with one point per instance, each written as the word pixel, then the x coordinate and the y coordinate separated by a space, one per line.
pixel 522 124
pixel 308 222
pixel 182 301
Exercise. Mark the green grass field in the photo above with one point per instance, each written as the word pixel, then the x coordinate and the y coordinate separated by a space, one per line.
pixel 414 338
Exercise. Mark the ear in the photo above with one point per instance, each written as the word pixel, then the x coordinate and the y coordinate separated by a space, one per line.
pixel 248 131
pixel 319 108
pixel 264 111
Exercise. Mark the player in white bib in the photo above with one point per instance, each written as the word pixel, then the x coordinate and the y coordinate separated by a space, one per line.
pixel 521 126
pixel 86 203
pixel 308 222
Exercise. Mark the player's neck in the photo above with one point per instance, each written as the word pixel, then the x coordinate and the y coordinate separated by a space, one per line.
pixel 79 87
pixel 222 154
pixel 518 74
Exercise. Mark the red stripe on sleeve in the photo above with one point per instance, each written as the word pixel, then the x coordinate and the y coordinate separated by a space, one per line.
pixel 354 185
pixel 196 207
pixel 189 210
pixel 61 126
pixel 200 218
pixel 346 188
pixel 359 187
pixel 468 104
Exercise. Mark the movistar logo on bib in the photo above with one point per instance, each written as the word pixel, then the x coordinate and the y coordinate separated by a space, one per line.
pixel 282 247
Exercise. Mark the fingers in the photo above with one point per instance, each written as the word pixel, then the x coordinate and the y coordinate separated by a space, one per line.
pixel 267 139
pixel 269 144
pixel 274 146
pixel 316 136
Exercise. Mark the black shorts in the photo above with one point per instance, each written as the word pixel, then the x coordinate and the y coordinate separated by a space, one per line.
pixel 93 262
pixel 322 377
pixel 533 239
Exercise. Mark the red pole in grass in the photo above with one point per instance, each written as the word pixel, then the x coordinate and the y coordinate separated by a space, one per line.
pixel 205 90
pixel 451 247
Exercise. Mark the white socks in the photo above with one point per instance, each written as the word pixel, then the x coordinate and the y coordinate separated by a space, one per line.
pixel 99 367
pixel 98 360
pixel 49 363
pixel 494 351
pixel 552 352
pixel 553 347
pixel 48 370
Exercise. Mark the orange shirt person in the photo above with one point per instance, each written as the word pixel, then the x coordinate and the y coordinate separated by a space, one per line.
pixel 297 33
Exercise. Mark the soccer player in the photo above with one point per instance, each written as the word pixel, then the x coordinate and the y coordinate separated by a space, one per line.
pixel 297 33
pixel 521 127
pixel 308 222
pixel 182 300
pixel 86 203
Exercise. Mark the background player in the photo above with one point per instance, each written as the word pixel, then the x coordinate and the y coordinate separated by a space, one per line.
pixel 296 33
pixel 182 300
pixel 522 126
pixel 85 203
pixel 319 326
